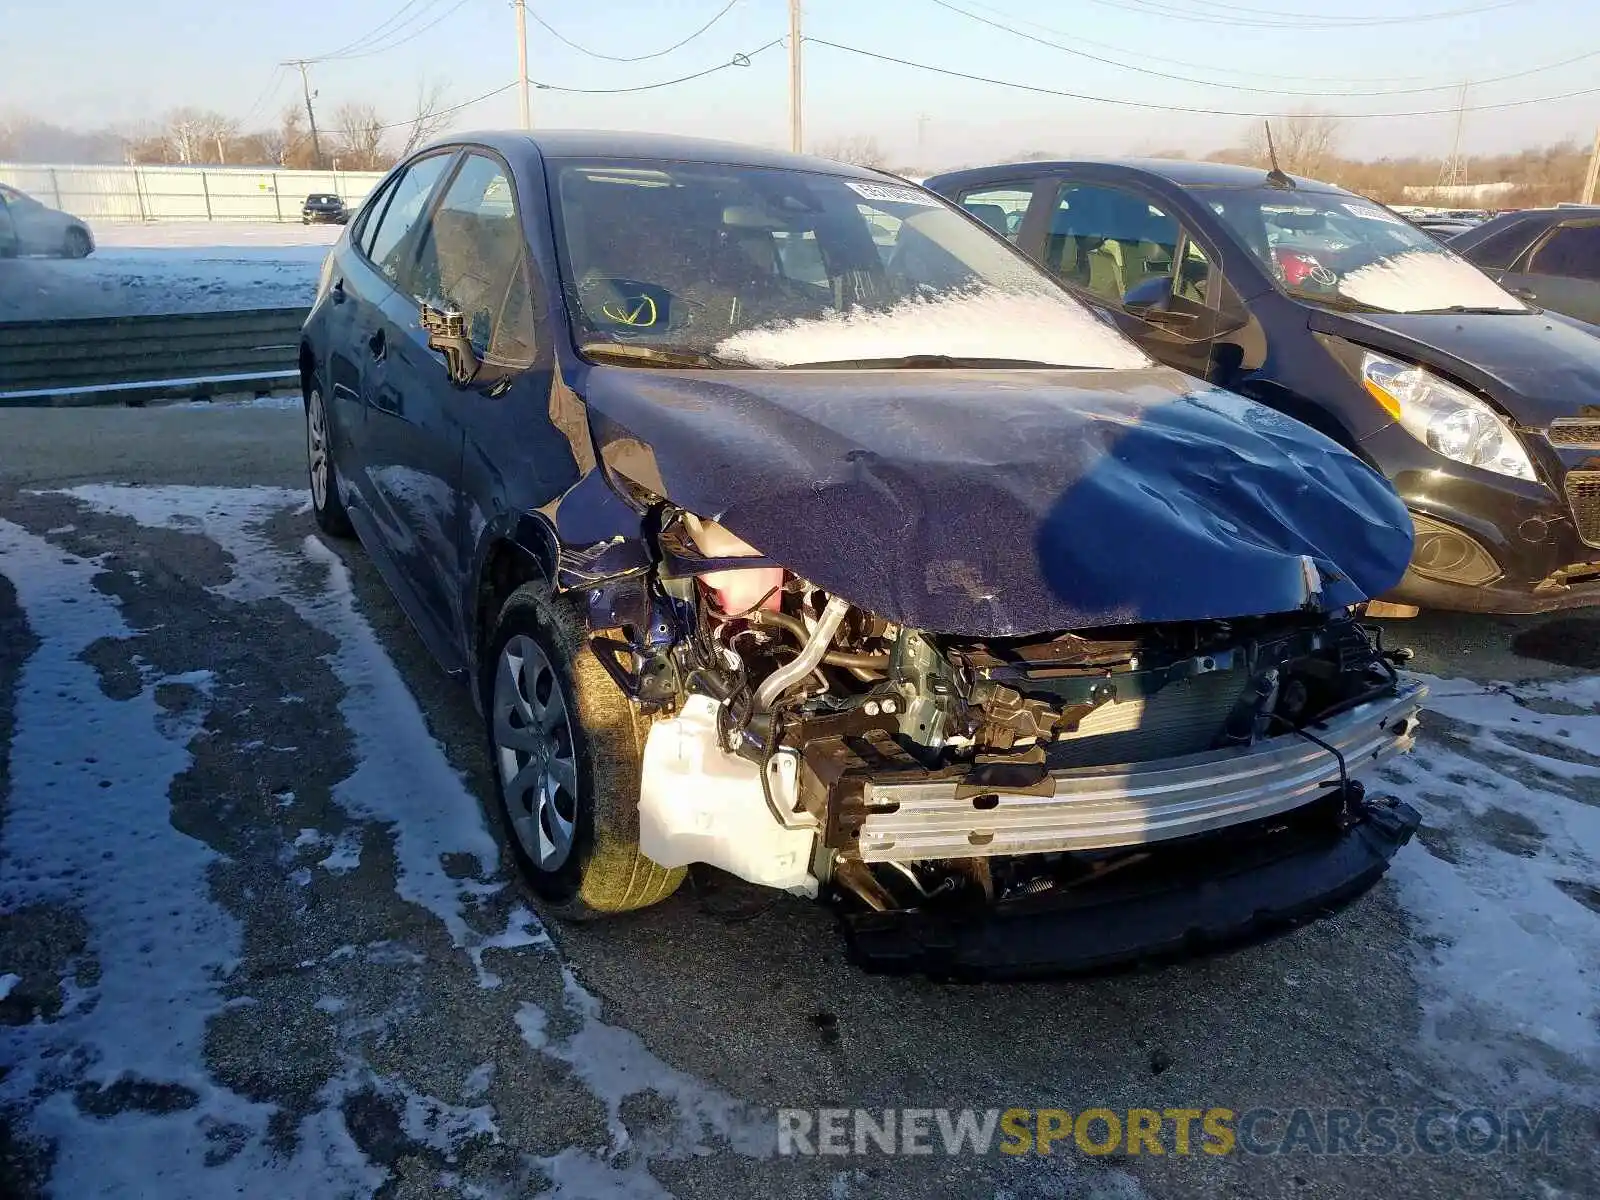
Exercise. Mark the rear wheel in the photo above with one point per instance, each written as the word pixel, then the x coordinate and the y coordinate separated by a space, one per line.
pixel 326 505
pixel 566 746
pixel 76 244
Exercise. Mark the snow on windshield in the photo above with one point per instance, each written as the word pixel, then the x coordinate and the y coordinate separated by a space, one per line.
pixel 988 323
pixel 1422 280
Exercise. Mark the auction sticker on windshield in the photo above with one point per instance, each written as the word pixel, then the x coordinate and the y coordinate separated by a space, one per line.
pixel 891 193
pixel 1371 212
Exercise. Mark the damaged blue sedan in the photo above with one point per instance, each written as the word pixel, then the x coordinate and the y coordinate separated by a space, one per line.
pixel 785 520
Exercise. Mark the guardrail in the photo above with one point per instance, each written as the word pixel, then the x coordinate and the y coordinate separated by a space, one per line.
pixel 126 360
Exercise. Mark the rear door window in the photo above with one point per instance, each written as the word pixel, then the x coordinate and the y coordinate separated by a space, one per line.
pixel 1001 207
pixel 471 259
pixel 1572 251
pixel 405 205
pixel 1111 241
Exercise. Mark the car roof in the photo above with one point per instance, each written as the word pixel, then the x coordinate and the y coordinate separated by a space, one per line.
pixel 1181 171
pixel 607 143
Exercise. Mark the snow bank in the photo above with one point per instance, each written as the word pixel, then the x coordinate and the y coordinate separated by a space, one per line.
pixel 1034 326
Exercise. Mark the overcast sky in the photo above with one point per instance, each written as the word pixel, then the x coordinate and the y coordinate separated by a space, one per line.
pixel 123 62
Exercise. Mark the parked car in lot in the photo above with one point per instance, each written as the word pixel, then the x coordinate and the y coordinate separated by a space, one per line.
pixel 1443 228
pixel 1332 309
pixel 324 208
pixel 787 522
pixel 1550 256
pixel 36 228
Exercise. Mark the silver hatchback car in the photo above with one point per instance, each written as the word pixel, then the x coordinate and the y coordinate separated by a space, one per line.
pixel 28 226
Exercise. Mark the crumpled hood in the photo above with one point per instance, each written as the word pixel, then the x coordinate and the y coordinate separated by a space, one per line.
pixel 1537 366
pixel 996 503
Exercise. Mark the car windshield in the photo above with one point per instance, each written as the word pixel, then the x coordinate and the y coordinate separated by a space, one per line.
pixel 1338 249
pixel 723 264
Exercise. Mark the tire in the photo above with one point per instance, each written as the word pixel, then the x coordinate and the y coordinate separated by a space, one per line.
pixel 322 473
pixel 538 661
pixel 76 244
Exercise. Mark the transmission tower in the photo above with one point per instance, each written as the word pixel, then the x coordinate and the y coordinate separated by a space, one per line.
pixel 1453 172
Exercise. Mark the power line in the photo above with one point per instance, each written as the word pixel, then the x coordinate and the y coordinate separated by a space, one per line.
pixel 1244 87
pixel 1304 21
pixel 738 60
pixel 273 82
pixel 566 41
pixel 1251 73
pixel 381 30
pixel 1150 104
pixel 1299 16
pixel 369 50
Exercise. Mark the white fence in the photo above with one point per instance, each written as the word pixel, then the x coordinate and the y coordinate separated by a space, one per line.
pixel 116 193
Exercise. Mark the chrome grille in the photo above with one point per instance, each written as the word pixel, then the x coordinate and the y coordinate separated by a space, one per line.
pixel 1182 718
pixel 1583 494
pixel 1574 431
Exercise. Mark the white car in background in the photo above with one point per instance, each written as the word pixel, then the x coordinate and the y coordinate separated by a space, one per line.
pixel 30 227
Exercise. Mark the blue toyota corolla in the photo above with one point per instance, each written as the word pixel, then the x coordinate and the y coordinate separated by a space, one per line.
pixel 786 521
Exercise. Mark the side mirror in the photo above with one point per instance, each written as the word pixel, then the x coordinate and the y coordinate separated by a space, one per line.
pixel 447 335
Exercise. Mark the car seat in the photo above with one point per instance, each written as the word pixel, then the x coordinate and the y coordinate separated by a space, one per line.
pixel 991 215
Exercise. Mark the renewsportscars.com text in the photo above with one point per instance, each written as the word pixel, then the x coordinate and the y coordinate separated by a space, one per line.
pixel 1168 1131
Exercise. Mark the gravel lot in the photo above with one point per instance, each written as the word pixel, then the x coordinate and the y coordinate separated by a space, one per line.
pixel 255 938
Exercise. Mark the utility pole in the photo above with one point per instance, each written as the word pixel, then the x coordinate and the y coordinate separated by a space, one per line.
pixel 796 131
pixel 522 61
pixel 311 115
pixel 1592 180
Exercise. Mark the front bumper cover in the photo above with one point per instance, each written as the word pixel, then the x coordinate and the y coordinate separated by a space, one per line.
pixel 1242 885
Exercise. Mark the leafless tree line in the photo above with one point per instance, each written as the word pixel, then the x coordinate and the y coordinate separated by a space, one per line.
pixel 354 135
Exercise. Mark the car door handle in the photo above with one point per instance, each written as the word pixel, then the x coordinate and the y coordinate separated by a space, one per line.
pixel 378 345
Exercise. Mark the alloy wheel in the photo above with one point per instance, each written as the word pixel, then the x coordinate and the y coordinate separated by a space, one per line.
pixel 317 448
pixel 534 753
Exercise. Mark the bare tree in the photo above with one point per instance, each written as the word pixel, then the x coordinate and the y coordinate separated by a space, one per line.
pixel 1307 143
pixel 358 130
pixel 430 119
pixel 863 151
pixel 296 150
pixel 195 135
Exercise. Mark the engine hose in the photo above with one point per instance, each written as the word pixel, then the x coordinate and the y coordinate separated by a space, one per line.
pixel 811 653
pixel 833 658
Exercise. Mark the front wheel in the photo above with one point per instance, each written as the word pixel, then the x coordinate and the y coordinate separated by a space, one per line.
pixel 566 747
pixel 326 506
pixel 76 244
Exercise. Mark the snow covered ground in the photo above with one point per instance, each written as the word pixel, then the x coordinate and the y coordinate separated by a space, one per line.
pixel 284 959
pixel 168 268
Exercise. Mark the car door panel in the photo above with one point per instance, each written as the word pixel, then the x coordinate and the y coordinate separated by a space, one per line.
pixel 414 463
pixel 1124 253
pixel 377 271
pixel 1562 270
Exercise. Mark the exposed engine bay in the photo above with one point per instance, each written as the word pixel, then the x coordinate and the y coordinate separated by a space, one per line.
pixel 805 744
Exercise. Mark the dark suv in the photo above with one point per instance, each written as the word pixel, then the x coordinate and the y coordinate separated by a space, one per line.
pixel 1482 409
pixel 788 523
pixel 324 208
